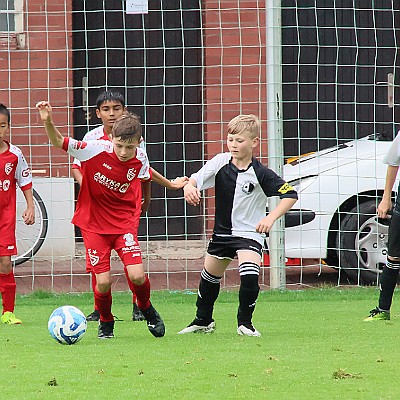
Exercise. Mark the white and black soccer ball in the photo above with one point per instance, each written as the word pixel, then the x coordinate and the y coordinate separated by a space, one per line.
pixel 67 324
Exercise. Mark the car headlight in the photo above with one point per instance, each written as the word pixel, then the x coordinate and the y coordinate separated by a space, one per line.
pixel 303 183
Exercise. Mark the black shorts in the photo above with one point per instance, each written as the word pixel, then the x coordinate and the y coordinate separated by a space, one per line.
pixel 228 246
pixel 394 234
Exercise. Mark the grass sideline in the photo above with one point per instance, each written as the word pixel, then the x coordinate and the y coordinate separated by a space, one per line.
pixel 314 345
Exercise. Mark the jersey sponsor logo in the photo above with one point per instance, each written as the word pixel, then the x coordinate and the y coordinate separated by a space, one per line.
pixel 129 239
pixel 248 187
pixel 110 183
pixel 131 174
pixel 5 185
pixel 93 257
pixel 8 168
pixel 26 172
pixel 124 188
pixel 78 145
pixel 107 166
pixel 285 188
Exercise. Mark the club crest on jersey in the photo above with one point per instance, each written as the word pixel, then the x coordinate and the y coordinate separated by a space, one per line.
pixel 8 168
pixel 248 187
pixel 93 257
pixel 131 174
pixel 129 239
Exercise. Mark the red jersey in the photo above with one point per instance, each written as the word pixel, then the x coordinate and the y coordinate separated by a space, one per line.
pixel 110 197
pixel 13 170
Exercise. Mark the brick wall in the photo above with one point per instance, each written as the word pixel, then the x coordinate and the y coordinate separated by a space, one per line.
pixel 39 71
pixel 235 72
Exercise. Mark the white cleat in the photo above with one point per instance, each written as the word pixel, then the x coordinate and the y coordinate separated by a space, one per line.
pixel 195 328
pixel 248 330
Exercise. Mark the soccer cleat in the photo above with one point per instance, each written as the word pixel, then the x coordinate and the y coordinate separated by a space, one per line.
pixel 106 330
pixel 9 318
pixel 94 316
pixel 199 326
pixel 137 315
pixel 378 315
pixel 154 322
pixel 248 330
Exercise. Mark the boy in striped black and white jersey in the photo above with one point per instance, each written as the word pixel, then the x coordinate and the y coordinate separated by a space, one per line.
pixel 242 187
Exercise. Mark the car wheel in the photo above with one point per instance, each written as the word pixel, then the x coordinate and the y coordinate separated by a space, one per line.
pixel 362 243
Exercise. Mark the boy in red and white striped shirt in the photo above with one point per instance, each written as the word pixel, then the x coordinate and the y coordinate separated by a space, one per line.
pixel 13 170
pixel 108 210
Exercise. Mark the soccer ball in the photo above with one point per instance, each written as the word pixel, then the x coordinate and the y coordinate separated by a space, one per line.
pixel 67 324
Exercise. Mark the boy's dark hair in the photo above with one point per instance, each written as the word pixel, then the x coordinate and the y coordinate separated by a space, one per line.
pixel 4 111
pixel 109 95
pixel 127 127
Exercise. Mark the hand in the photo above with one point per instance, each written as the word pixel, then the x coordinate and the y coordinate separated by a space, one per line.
pixel 45 111
pixel 192 194
pixel 29 216
pixel 145 206
pixel 383 208
pixel 265 225
pixel 179 183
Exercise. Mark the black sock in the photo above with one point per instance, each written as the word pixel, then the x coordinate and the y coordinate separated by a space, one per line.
pixel 207 295
pixel 248 294
pixel 388 282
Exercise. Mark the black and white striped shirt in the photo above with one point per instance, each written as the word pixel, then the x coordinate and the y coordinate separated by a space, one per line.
pixel 240 195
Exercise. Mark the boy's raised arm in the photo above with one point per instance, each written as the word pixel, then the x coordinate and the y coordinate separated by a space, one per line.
pixel 54 135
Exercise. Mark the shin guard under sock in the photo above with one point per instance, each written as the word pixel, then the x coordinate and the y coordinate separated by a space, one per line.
pixel 207 295
pixel 8 289
pixel 103 302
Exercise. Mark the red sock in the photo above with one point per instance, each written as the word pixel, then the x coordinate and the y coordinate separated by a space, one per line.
pixel 103 302
pixel 143 294
pixel 94 282
pixel 131 286
pixel 8 289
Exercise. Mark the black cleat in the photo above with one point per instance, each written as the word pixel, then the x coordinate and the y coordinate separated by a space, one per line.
pixel 154 322
pixel 106 330
pixel 94 316
pixel 137 315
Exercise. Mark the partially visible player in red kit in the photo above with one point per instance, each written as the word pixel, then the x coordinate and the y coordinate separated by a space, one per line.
pixel 108 210
pixel 13 170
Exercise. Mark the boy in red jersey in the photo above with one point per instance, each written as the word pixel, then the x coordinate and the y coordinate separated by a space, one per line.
pixel 108 210
pixel 13 170
pixel 110 105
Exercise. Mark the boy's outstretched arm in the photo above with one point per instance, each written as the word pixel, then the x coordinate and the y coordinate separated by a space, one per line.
pixel 54 135
pixel 282 208
pixel 177 183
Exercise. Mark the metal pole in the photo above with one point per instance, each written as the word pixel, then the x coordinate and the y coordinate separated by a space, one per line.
pixel 275 135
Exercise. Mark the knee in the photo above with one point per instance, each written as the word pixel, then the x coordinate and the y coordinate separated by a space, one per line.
pixel 5 265
pixel 103 287
pixel 137 279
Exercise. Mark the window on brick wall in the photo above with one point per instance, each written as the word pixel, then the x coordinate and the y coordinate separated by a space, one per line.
pixel 11 24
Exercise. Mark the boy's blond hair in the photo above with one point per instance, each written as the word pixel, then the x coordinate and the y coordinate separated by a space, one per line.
pixel 127 127
pixel 245 123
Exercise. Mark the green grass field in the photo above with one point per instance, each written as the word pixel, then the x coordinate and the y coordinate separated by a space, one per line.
pixel 314 345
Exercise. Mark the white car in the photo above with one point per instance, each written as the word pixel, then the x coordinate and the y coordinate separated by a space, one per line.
pixel 335 217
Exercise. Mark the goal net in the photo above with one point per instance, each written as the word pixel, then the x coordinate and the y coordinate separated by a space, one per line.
pixel 187 68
